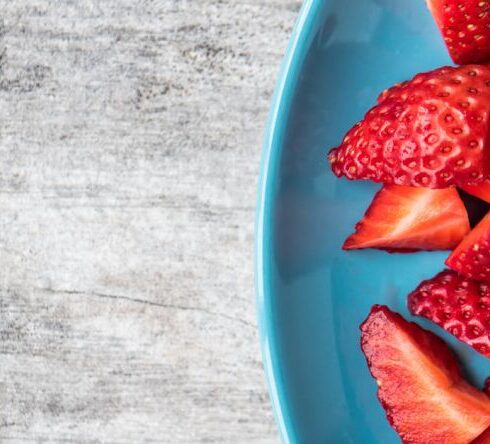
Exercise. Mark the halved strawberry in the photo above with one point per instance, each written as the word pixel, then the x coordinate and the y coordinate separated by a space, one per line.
pixel 408 218
pixel 427 132
pixel 420 384
pixel 459 305
pixel 471 257
pixel 482 190
pixel 465 27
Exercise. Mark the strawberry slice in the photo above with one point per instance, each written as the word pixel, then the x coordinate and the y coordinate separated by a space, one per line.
pixel 459 305
pixel 419 382
pixel 482 190
pixel 465 27
pixel 484 438
pixel 471 257
pixel 408 218
pixel 428 132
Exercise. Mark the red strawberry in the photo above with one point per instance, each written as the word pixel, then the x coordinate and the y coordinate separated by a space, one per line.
pixel 408 218
pixel 420 384
pixel 459 305
pixel 472 256
pixel 427 132
pixel 465 27
pixel 482 190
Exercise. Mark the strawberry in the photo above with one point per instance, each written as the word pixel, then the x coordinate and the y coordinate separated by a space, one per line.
pixel 420 385
pixel 459 305
pixel 482 190
pixel 409 218
pixel 465 27
pixel 471 257
pixel 427 132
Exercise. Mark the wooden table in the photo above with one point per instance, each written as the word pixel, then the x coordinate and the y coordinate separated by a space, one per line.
pixel 129 149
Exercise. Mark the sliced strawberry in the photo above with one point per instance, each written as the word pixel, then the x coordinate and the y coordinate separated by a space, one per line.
pixel 471 257
pixel 482 190
pixel 420 384
pixel 408 218
pixel 465 27
pixel 459 305
pixel 427 132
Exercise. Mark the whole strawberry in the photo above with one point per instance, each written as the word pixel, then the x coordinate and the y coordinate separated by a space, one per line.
pixel 459 305
pixel 430 132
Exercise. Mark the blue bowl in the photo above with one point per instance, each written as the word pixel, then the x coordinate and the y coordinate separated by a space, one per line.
pixel 312 296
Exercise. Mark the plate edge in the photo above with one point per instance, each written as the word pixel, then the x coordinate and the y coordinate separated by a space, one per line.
pixel 280 105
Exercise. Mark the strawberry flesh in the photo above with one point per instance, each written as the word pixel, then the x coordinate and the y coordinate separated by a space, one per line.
pixel 428 132
pixel 419 382
pixel 409 218
pixel 471 257
pixel 459 305
pixel 465 28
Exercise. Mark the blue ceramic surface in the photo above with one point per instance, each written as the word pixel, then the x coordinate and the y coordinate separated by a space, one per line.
pixel 312 296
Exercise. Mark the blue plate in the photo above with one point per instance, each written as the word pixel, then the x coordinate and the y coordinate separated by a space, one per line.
pixel 312 296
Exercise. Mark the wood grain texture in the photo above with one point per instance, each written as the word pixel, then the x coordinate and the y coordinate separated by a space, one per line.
pixel 129 147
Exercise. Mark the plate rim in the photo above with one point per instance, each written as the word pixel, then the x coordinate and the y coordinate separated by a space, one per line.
pixel 274 131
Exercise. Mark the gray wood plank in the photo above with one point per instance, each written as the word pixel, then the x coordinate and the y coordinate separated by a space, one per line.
pixel 130 136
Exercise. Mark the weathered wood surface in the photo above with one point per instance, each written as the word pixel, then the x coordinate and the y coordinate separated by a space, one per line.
pixel 130 135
